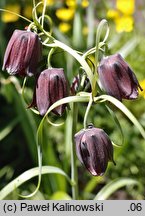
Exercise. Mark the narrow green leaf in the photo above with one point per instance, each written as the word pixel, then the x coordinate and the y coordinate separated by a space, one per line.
pixel 39 175
pixel 11 12
pixel 124 109
pixel 58 103
pixel 26 119
pixel 43 12
pixel 27 122
pixel 71 99
pixel 118 125
pixel 34 12
pixel 99 32
pixel 27 175
pixel 113 186
pixel 54 124
pixel 7 130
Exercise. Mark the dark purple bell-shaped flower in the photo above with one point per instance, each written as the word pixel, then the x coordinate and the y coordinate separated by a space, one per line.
pixel 117 78
pixel 22 54
pixel 51 86
pixel 94 149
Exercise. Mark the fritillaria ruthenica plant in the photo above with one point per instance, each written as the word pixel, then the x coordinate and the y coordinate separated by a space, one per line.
pixel 52 94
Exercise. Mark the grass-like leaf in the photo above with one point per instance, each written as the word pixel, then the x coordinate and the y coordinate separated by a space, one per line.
pixel 113 186
pixel 7 130
pixel 124 109
pixel 27 175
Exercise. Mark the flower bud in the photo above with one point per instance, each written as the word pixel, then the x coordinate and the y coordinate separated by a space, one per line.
pixel 51 86
pixel 94 149
pixel 22 54
pixel 117 78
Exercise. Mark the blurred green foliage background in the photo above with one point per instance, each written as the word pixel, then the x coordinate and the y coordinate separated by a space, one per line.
pixel 75 24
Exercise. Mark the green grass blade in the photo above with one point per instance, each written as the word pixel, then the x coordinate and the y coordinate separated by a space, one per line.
pixel 113 186
pixel 117 124
pixel 27 175
pixel 8 129
pixel 124 109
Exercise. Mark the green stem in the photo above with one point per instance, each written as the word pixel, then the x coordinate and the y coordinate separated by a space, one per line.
pixel 49 57
pixel 43 12
pixel 23 86
pixel 100 28
pixel 34 8
pixel 83 81
pixel 87 111
pixel 74 174
pixel 27 175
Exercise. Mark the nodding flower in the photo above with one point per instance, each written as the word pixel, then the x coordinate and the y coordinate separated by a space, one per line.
pixel 23 53
pixel 117 78
pixel 94 149
pixel 51 86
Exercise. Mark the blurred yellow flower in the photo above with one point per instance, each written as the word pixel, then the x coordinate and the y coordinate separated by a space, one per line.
pixel 64 27
pixel 65 14
pixel 28 11
pixel 112 14
pixel 123 15
pixel 142 84
pixel 85 3
pixel 49 2
pixel 73 3
pixel 124 23
pixel 8 17
pixel 126 6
